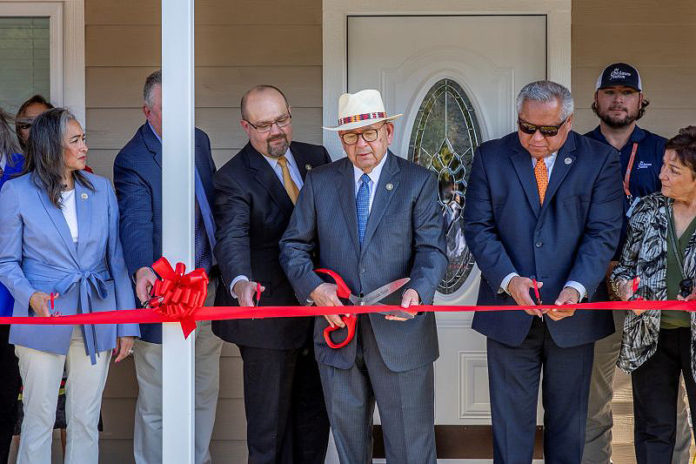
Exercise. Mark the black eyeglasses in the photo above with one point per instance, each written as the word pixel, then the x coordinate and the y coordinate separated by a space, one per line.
pixel 262 127
pixel 546 131
pixel 370 135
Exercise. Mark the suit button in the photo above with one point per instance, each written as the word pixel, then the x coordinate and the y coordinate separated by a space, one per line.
pixel 362 271
pixel 539 244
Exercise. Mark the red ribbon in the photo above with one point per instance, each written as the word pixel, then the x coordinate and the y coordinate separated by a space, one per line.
pixel 178 295
pixel 216 313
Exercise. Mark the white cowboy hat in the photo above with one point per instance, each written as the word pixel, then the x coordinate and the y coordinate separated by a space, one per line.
pixel 360 109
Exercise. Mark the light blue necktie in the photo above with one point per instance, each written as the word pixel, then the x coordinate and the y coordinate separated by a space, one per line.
pixel 362 204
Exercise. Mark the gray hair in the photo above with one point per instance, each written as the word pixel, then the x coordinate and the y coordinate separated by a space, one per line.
pixel 150 82
pixel 44 156
pixel 545 92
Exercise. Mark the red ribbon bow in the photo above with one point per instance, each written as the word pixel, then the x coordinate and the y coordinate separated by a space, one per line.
pixel 178 295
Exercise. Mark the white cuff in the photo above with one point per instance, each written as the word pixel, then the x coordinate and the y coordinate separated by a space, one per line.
pixel 506 282
pixel 234 281
pixel 579 287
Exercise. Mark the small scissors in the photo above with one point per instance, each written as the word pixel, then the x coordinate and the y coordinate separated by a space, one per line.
pixel 371 298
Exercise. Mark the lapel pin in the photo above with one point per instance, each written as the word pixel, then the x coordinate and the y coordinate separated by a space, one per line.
pixel 568 160
pixel 83 196
pixel 308 167
pixel 389 186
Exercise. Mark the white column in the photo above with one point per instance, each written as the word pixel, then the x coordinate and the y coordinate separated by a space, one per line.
pixel 178 220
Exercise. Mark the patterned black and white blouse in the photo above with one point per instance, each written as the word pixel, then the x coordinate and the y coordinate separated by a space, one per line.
pixel 645 255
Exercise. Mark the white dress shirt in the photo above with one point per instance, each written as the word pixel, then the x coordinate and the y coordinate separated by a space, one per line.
pixel 374 179
pixel 550 161
pixel 69 210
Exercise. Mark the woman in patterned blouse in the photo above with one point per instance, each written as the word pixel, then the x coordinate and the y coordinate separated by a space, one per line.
pixel 660 253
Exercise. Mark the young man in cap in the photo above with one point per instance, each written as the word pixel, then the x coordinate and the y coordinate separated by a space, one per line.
pixel 619 103
pixel 373 218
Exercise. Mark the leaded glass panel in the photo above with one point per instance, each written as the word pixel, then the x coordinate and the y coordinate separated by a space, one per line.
pixel 444 137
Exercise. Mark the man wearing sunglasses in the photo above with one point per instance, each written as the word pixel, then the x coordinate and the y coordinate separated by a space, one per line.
pixel 255 194
pixel 619 103
pixel 543 215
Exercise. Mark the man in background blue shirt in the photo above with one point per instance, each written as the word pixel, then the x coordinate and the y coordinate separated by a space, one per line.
pixel 619 103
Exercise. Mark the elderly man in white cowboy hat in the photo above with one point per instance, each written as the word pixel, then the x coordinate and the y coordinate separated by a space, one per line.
pixel 373 218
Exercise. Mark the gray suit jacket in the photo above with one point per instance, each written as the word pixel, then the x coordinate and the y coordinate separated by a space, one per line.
pixel 404 238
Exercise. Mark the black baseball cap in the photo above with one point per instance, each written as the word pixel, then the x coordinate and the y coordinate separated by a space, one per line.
pixel 619 74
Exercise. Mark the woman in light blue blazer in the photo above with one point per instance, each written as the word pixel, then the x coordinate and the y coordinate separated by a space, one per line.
pixel 59 235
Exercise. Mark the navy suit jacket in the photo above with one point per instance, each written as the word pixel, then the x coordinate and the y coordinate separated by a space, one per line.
pixel 10 171
pixel 571 237
pixel 138 182
pixel 404 238
pixel 252 210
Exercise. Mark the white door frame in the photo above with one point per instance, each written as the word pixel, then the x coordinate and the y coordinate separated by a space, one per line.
pixel 67 45
pixel 335 37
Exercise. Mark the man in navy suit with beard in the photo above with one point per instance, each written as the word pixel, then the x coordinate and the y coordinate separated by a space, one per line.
pixel 255 195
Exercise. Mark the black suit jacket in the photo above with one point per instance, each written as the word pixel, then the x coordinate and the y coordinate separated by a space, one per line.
pixel 252 211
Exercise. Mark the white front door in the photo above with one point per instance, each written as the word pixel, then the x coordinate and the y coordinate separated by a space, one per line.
pixel 455 79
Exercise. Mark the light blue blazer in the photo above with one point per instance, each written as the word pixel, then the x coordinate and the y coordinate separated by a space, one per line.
pixel 37 254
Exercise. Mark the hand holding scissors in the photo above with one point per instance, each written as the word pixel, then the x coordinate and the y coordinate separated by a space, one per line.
pixel 350 320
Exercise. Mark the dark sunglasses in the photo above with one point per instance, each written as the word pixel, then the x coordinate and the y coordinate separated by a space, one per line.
pixel 546 131
pixel 24 125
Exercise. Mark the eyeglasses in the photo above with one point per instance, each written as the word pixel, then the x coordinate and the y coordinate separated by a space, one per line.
pixel 370 135
pixel 546 131
pixel 282 121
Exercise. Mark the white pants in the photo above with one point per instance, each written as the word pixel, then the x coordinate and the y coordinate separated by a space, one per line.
pixel 41 375
pixel 147 440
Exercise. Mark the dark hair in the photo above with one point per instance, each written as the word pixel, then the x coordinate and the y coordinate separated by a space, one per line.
pixel 44 156
pixel 36 99
pixel 260 88
pixel 684 145
pixel 151 81
pixel 644 104
pixel 8 139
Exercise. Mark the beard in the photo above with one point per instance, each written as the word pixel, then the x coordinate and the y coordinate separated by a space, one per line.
pixel 618 122
pixel 277 150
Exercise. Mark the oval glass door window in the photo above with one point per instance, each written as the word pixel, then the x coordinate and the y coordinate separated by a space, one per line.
pixel 444 137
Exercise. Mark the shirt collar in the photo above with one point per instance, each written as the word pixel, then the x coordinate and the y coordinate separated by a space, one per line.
pixel 636 136
pixel 154 131
pixel 374 175
pixel 274 161
pixel 549 160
